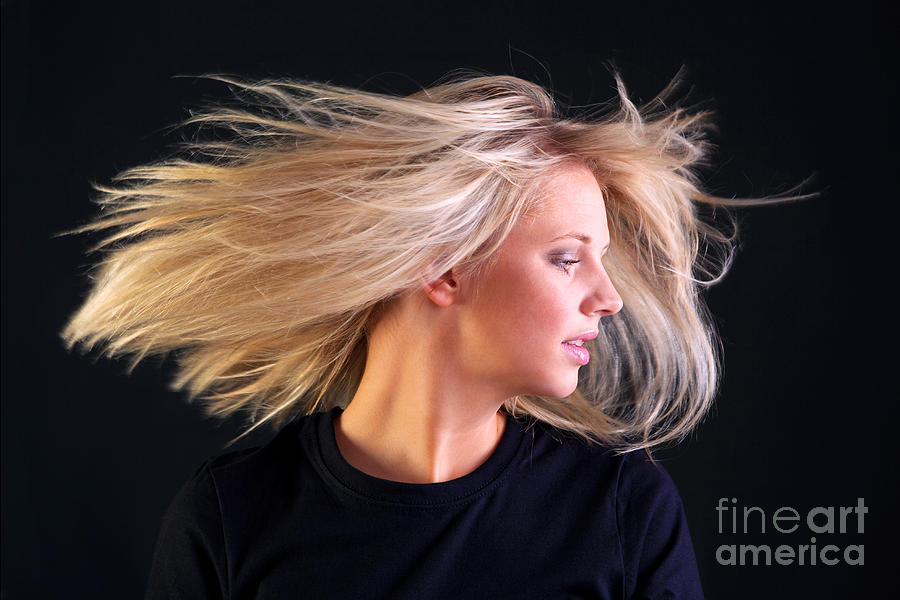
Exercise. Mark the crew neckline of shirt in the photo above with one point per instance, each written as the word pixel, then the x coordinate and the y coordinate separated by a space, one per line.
pixel 374 489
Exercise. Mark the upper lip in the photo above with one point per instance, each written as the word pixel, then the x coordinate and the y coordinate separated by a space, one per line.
pixel 589 335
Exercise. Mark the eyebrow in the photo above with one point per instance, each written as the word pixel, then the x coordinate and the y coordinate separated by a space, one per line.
pixel 585 239
pixel 573 234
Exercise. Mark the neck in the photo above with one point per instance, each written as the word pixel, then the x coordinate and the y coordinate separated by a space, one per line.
pixel 416 417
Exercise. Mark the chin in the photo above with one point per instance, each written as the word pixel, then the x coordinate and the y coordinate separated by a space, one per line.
pixel 561 388
pixel 565 394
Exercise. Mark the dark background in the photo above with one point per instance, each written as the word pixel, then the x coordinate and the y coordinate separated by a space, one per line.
pixel 807 410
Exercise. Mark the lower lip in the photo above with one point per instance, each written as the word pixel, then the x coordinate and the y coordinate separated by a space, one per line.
pixel 579 353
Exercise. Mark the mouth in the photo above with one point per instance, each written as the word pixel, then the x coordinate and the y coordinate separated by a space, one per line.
pixel 575 347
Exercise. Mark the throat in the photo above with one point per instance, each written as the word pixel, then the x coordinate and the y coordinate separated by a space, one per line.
pixel 418 452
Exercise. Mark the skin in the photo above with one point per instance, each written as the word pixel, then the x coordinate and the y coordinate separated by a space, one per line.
pixel 444 358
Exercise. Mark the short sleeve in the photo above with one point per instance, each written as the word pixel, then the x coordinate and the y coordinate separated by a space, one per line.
pixel 189 560
pixel 657 550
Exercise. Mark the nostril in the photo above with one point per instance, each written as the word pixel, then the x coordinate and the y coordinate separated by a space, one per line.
pixel 619 304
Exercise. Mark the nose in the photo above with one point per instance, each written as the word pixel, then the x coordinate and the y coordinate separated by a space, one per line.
pixel 602 299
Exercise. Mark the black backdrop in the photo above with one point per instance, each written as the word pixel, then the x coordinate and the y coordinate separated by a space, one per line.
pixel 806 413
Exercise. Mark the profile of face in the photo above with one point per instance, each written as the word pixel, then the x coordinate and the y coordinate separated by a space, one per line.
pixel 545 293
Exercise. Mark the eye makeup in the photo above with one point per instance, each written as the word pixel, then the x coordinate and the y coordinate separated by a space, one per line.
pixel 564 260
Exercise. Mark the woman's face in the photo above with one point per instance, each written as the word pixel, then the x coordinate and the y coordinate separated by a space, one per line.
pixel 546 291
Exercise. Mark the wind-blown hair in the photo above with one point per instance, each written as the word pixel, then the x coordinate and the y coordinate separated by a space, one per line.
pixel 261 256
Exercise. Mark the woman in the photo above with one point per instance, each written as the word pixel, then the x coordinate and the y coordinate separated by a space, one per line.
pixel 462 310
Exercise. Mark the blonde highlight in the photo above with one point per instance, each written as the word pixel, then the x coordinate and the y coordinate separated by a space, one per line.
pixel 262 256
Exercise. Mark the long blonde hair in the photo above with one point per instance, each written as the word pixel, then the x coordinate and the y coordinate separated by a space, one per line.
pixel 261 256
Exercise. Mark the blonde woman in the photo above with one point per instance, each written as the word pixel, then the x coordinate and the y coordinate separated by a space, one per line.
pixel 462 310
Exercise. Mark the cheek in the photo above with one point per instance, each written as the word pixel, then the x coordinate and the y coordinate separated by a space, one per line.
pixel 527 308
pixel 542 314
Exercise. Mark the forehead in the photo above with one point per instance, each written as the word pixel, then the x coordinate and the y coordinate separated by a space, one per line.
pixel 569 199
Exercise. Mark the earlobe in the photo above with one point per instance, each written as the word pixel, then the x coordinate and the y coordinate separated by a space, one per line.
pixel 443 290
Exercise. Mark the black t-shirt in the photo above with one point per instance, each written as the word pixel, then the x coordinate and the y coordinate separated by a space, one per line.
pixel 546 516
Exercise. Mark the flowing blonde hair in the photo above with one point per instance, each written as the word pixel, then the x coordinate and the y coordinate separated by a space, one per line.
pixel 263 255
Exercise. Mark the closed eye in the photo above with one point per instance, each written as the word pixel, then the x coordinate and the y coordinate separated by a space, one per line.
pixel 565 263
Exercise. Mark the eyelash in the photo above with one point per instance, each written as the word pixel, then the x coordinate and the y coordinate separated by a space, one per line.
pixel 565 263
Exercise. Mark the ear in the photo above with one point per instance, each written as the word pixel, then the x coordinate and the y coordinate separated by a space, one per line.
pixel 443 291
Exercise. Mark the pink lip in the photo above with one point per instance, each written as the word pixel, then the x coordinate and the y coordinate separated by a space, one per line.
pixel 579 353
pixel 585 336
